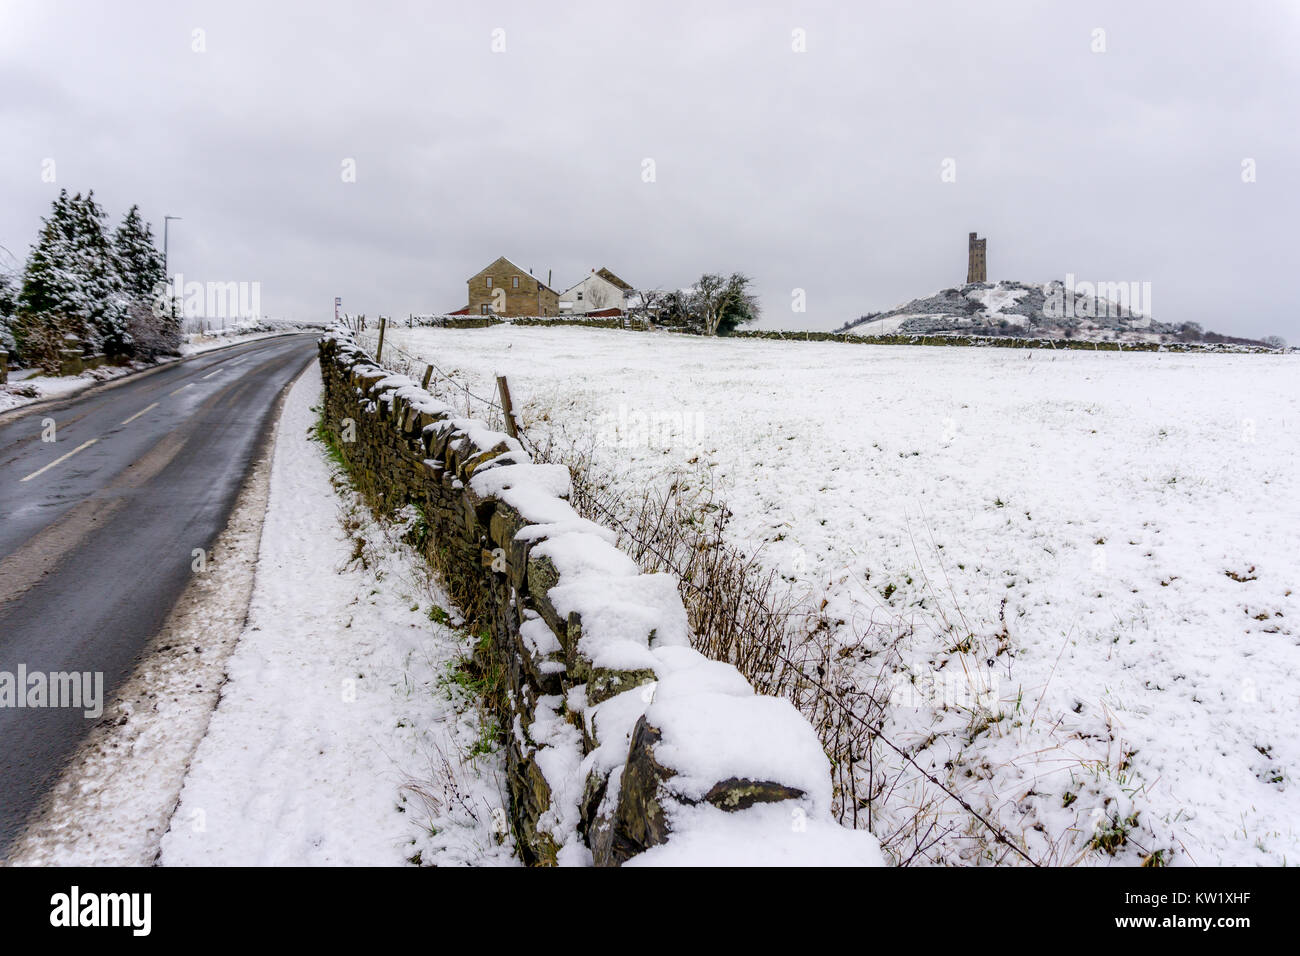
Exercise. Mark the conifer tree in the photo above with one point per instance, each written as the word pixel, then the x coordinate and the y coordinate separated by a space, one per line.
pixel 138 259
pixel 154 330
pixel 107 303
pixel 8 306
pixel 51 302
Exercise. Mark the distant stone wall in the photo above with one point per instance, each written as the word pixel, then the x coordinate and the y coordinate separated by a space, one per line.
pixel 622 742
pixel 484 321
pixel 989 341
pixel 895 338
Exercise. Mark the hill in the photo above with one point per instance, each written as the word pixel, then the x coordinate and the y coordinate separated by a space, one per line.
pixel 1039 310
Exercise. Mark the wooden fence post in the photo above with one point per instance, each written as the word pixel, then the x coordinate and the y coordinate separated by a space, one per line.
pixel 379 349
pixel 507 407
pixel 428 374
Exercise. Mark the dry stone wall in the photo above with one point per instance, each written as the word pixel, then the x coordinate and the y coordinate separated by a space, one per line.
pixel 623 743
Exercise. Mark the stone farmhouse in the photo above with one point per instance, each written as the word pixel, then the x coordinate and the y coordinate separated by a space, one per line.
pixel 503 288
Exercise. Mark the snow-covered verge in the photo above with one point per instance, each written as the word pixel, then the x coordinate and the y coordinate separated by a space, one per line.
pixel 343 734
pixel 37 387
pixel 1070 568
pixel 620 737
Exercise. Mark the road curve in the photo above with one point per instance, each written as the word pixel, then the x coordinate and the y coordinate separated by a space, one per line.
pixel 99 529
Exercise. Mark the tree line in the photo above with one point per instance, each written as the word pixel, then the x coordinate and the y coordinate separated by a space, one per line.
pixel 87 287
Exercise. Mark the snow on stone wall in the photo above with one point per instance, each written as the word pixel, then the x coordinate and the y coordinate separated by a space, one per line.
pixel 622 741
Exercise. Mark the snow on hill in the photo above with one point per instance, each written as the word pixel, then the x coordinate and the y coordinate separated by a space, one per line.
pixel 1050 310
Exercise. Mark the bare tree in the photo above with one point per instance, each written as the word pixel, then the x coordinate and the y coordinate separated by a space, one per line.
pixel 647 304
pixel 716 298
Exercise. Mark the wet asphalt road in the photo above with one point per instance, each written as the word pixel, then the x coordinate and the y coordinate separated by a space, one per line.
pixel 98 530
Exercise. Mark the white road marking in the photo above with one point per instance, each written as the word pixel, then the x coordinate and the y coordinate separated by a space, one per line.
pixel 212 373
pixel 183 388
pixel 139 413
pixel 57 460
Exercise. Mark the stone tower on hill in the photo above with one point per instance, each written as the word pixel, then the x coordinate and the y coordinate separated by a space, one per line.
pixel 976 270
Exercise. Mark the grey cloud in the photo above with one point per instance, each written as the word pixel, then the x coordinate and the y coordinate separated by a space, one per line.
pixel 817 170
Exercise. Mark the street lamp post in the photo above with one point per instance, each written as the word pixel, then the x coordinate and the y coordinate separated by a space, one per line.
pixel 166 222
pixel 167 276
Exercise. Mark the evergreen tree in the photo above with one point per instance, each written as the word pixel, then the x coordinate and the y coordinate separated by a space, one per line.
pixel 8 306
pixel 51 302
pixel 138 259
pixel 107 303
pixel 80 281
pixel 140 264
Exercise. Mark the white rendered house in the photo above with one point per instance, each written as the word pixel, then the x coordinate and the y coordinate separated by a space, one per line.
pixel 597 291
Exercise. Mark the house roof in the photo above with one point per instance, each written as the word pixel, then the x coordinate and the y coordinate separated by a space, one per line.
pixel 604 275
pixel 610 277
pixel 522 272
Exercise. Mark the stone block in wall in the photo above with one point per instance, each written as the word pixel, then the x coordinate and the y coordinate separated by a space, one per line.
pixel 543 653
pixel 70 362
pixel 572 557
pixel 730 751
pixel 530 798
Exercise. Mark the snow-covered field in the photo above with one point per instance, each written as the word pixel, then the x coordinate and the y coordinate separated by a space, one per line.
pixel 1078 568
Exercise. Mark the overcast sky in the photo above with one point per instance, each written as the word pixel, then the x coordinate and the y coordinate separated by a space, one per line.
pixel 817 170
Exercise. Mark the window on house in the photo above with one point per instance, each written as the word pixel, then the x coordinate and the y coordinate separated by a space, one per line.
pixel 579 296
pixel 482 310
pixel 489 282
pixel 514 282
